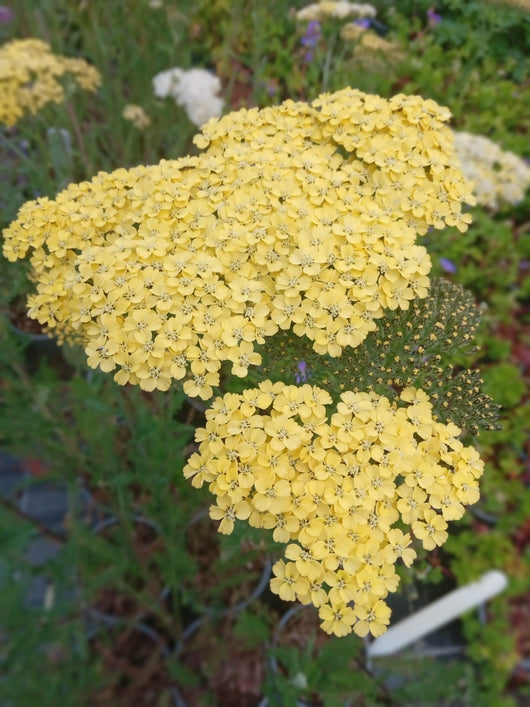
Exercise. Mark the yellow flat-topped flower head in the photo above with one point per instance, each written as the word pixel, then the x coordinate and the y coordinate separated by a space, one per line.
pixel 298 215
pixel 335 505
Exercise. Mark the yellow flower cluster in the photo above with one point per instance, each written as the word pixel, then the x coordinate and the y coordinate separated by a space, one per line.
pixel 499 177
pixel 333 489
pixel 136 115
pixel 29 78
pixel 298 215
pixel 372 51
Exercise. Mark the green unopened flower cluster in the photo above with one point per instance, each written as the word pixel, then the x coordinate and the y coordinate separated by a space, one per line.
pixel 299 215
pixel 499 177
pixel 414 347
pixel 30 78
pixel 341 492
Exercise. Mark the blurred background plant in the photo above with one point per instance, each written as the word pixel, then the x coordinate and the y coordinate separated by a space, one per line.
pixel 119 452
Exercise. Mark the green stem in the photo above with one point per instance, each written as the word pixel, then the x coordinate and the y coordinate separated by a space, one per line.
pixel 41 527
pixel 79 137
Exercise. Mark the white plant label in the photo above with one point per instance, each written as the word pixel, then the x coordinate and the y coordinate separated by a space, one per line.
pixel 437 614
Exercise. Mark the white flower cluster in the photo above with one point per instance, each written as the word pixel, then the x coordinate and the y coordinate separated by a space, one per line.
pixel 196 90
pixel 499 177
pixel 340 9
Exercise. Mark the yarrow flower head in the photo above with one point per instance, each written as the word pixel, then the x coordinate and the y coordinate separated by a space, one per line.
pixel 137 116
pixel 298 215
pixel 338 8
pixel 196 90
pixel 346 493
pixel 371 51
pixel 30 78
pixel 499 177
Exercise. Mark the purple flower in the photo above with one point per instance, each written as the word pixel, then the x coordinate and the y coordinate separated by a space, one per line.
pixel 6 15
pixel 364 23
pixel 302 374
pixel 311 39
pixel 312 34
pixel 270 85
pixel 433 17
pixel 447 265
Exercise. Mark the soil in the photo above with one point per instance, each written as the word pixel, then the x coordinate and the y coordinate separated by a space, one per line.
pixel 134 667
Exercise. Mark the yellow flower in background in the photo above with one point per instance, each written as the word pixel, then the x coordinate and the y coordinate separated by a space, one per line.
pixel 31 76
pixel 372 51
pixel 335 505
pixel 499 177
pixel 137 116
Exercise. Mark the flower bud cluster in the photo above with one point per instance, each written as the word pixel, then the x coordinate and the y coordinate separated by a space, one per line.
pixel 499 177
pixel 30 76
pixel 298 215
pixel 343 493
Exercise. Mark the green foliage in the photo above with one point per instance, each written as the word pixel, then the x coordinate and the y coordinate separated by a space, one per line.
pixel 253 629
pixel 331 672
pixel 504 384
pixel 434 682
pixel 484 31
